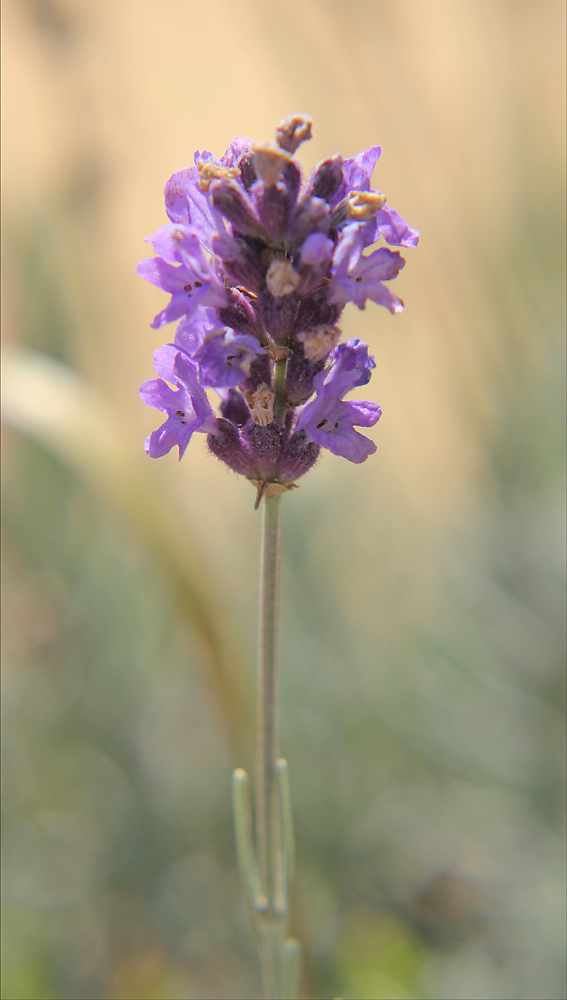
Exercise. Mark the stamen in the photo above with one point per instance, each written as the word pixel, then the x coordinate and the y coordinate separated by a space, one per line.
pixel 363 205
pixel 209 172
pixel 245 291
pixel 359 205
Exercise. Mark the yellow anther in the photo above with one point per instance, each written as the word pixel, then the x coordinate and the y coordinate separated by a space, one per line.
pixel 209 172
pixel 292 131
pixel 363 205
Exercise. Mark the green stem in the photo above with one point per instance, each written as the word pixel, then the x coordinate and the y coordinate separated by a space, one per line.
pixel 266 870
pixel 280 401
pixel 267 808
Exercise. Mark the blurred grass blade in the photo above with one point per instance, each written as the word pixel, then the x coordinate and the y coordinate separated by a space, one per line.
pixel 282 773
pixel 47 400
pixel 284 842
pixel 244 844
pixel 55 406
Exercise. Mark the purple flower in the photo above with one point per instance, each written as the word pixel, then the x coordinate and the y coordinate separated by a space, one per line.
pixel 394 229
pixel 260 264
pixel 351 366
pixel 357 278
pixel 183 270
pixel 357 172
pixel 194 329
pixel 187 407
pixel 224 359
pixel 188 203
pixel 328 420
pixel 387 222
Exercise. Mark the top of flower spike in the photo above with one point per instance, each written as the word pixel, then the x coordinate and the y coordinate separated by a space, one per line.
pixel 260 265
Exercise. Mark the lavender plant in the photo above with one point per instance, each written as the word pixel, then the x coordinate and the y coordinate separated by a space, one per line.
pixel 259 267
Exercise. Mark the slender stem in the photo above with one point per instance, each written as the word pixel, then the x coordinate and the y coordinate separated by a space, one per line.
pixel 280 401
pixel 267 808
pixel 267 870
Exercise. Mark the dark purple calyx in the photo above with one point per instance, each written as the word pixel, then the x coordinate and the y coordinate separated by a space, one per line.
pixel 299 376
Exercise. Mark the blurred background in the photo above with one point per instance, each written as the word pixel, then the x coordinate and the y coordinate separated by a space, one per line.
pixel 422 639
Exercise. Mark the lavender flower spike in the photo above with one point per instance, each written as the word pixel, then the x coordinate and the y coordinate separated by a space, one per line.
pixel 260 263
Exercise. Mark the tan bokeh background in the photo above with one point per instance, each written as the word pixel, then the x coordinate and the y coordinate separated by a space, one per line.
pixel 423 591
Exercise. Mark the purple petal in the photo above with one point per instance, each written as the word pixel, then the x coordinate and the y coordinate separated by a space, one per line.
pixel 329 422
pixel 349 444
pixel 358 169
pixel 170 241
pixel 357 173
pixel 382 296
pixel 204 157
pixel 186 203
pixel 225 247
pixel 169 277
pixel 164 359
pixel 351 366
pixel 381 265
pixel 179 305
pixel 221 358
pixel 192 330
pixel 161 396
pixel 186 373
pixel 317 250
pixel 365 413
pixel 177 195
pixel 170 434
pixel 394 229
pixel 359 278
